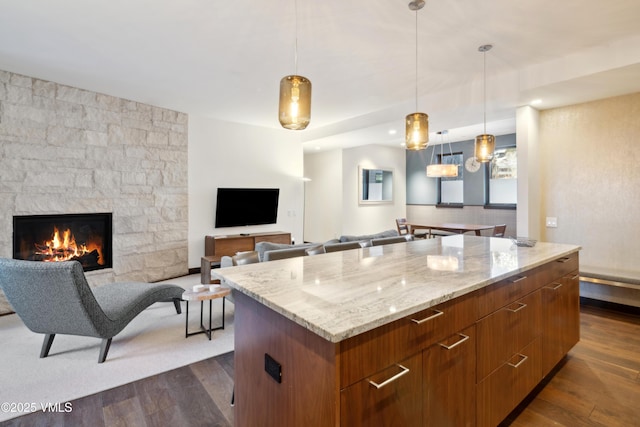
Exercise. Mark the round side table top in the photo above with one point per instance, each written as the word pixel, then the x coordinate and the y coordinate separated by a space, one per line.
pixel 219 292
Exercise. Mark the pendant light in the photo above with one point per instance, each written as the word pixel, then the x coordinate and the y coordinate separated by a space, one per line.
pixel 417 124
pixel 485 144
pixel 294 110
pixel 440 170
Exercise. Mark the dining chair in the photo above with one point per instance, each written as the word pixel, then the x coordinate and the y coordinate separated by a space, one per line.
pixel 403 229
pixel 499 230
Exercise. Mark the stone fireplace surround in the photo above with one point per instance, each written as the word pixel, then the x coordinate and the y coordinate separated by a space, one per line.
pixel 68 150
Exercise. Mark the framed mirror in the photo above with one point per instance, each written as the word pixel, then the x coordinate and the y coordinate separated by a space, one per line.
pixel 375 185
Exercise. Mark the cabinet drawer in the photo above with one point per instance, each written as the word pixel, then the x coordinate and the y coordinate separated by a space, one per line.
pixel 558 268
pixel 504 389
pixel 392 397
pixel 505 292
pixel 374 350
pixel 506 331
pixel 233 245
pixel 509 290
pixel 284 238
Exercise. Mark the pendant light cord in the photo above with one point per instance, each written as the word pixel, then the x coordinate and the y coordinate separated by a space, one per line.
pixel 484 71
pixel 295 54
pixel 416 60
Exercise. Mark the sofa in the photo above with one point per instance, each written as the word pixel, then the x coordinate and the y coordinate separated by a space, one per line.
pixel 269 251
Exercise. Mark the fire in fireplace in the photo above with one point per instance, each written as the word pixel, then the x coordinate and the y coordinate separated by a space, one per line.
pixel 51 238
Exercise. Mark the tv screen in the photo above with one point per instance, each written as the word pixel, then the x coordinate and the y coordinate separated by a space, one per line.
pixel 246 206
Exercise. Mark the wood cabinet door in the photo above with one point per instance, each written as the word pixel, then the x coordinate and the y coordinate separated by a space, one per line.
pixel 450 381
pixel 390 398
pixel 561 320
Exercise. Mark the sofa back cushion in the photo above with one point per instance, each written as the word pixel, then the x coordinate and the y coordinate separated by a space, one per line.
pixel 299 250
pixel 387 233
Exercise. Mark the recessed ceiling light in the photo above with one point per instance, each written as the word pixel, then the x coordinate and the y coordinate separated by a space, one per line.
pixel 392 131
pixel 536 102
pixel 317 147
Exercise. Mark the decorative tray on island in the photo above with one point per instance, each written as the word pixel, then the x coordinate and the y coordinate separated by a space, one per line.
pixel 523 241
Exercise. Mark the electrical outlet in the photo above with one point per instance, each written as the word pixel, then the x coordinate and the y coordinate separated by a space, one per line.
pixel 273 368
pixel 552 222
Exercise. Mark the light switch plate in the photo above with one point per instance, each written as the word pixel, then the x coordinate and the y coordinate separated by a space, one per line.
pixel 552 222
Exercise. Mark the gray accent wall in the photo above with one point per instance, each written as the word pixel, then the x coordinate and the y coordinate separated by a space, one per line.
pixel 424 191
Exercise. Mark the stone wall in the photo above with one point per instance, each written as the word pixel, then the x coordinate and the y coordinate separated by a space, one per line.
pixel 68 150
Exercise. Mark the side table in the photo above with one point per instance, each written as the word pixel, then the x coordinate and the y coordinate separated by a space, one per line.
pixel 187 296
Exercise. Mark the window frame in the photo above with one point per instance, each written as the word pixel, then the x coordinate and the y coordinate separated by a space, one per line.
pixel 487 186
pixel 439 203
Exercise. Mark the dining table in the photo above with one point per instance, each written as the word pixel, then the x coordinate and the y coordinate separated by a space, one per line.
pixel 458 228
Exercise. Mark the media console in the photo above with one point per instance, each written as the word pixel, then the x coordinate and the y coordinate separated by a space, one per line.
pixel 215 247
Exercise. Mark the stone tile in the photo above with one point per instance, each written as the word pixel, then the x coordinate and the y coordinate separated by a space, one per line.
pixel 68 150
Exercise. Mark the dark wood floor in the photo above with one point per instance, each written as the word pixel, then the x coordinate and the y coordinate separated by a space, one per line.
pixel 597 384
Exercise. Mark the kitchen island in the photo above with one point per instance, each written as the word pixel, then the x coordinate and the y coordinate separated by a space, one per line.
pixel 450 331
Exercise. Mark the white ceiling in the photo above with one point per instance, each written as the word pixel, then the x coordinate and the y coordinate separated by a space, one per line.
pixel 224 59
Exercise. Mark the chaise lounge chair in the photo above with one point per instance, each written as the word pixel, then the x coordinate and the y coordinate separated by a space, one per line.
pixel 54 298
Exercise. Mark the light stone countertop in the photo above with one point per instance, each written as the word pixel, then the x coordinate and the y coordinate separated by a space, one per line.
pixel 341 294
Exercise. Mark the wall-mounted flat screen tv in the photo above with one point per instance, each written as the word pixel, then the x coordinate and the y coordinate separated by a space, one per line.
pixel 246 206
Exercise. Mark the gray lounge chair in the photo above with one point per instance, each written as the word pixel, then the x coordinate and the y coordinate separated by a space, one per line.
pixel 54 298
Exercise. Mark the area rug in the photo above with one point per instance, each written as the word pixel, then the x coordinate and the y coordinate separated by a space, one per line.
pixel 152 343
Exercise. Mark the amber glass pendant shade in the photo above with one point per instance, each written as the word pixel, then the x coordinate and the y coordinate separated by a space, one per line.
pixel 295 102
pixel 417 131
pixel 484 147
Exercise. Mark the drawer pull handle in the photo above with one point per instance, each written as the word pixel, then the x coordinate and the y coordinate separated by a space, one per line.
pixel 433 316
pixel 518 279
pixel 457 343
pixel 520 362
pixel 392 379
pixel 554 288
pixel 517 309
pixel 577 276
pixel 563 260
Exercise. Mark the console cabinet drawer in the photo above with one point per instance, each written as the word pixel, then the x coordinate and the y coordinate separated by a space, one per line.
pixel 284 238
pixel 374 350
pixel 506 331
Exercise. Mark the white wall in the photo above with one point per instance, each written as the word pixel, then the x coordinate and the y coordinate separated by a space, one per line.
pixel 365 219
pixel 323 196
pixel 332 195
pixel 223 154
pixel 590 181
pixel 528 146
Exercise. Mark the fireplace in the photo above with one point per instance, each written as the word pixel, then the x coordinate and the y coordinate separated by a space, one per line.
pixel 51 238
